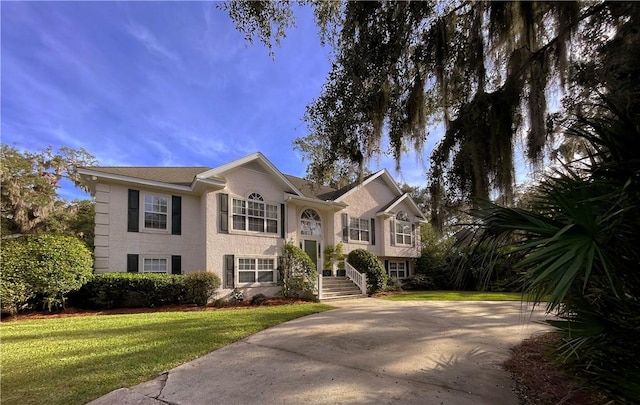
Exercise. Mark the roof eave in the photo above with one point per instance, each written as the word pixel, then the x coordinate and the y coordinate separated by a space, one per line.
pixel 314 202
pixel 196 187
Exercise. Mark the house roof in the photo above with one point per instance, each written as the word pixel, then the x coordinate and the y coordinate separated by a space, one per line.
pixel 258 158
pixel 386 210
pixel 382 174
pixel 179 176
pixel 310 189
pixel 195 179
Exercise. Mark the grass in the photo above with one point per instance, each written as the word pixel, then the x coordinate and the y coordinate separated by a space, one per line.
pixel 77 359
pixel 453 296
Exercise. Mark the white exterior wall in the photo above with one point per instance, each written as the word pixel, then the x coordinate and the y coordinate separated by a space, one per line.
pixel 365 202
pixel 115 242
pixel 401 251
pixel 240 183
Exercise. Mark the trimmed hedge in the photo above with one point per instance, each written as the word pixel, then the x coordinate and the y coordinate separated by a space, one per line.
pixel 201 287
pixel 368 263
pixel 40 271
pixel 135 290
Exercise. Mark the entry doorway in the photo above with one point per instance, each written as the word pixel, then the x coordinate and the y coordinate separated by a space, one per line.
pixel 311 248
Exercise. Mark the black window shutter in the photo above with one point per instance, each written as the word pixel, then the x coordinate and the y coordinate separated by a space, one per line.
pixel 133 211
pixel 282 221
pixel 280 268
pixel 345 228
pixel 373 231
pixel 176 264
pixel 132 263
pixel 413 235
pixel 386 266
pixel 406 269
pixel 224 213
pixel 176 215
pixel 228 271
pixel 393 232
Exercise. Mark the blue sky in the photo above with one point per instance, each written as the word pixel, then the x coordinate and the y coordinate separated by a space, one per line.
pixel 159 84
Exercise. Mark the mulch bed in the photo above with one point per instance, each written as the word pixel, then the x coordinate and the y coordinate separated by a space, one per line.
pixel 541 381
pixel 73 312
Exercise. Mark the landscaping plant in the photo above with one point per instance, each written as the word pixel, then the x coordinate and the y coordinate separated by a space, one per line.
pixel 298 273
pixel 580 243
pixel 201 286
pixel 40 271
pixel 368 263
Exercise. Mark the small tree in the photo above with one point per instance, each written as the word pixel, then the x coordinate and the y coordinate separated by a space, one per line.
pixel 298 273
pixel 43 268
pixel 368 263
pixel 29 183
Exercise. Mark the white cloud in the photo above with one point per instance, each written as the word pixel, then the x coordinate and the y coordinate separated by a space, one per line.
pixel 143 35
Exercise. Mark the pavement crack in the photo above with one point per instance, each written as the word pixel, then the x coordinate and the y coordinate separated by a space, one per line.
pixel 163 380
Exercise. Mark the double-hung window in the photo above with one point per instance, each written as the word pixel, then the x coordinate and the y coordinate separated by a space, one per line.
pixel 155 264
pixel 359 229
pixel 156 211
pixel 256 270
pixel 397 270
pixel 403 229
pixel 255 215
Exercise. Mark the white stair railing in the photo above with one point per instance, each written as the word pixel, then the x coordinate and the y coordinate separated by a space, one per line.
pixel 359 279
pixel 320 285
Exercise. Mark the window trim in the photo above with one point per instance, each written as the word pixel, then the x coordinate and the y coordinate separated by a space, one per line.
pixel 152 257
pixel 255 258
pixel 143 211
pixel 317 222
pixel 360 230
pixel 398 262
pixel 265 218
pixel 409 233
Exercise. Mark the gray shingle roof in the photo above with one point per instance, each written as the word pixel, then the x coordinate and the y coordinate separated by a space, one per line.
pixel 182 176
pixel 309 189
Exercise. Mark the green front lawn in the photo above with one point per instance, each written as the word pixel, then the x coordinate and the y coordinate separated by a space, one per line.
pixel 453 296
pixel 77 359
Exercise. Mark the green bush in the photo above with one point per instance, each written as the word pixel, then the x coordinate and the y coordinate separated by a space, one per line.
pixel 419 282
pixel 368 263
pixel 259 299
pixel 201 286
pixel 42 270
pixel 131 290
pixel 298 273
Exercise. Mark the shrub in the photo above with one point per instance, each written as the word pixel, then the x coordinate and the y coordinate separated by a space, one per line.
pixel 419 282
pixel 298 273
pixel 368 263
pixel 259 299
pixel 201 286
pixel 42 270
pixel 131 290
pixel 236 295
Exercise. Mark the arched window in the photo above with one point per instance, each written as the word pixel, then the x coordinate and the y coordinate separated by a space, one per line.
pixel 310 223
pixel 402 216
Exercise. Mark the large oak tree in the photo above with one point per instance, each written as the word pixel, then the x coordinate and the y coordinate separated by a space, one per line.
pixel 488 70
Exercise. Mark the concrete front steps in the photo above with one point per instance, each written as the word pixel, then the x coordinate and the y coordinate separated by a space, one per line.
pixel 336 288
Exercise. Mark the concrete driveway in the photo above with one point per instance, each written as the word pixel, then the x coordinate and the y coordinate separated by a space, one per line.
pixel 367 351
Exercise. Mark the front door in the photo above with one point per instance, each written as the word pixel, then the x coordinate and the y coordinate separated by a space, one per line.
pixel 311 248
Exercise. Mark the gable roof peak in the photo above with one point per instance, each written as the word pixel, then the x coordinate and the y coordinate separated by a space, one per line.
pixel 252 157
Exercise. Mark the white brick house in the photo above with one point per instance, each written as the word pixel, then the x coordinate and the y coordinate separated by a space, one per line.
pixel 233 220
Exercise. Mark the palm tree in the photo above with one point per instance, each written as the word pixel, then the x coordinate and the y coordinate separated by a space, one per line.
pixel 580 240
